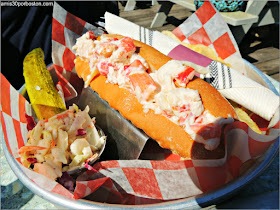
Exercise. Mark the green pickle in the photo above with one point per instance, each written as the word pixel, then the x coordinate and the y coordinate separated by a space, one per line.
pixel 43 96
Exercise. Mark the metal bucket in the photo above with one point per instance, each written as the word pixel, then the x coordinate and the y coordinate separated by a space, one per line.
pixel 202 200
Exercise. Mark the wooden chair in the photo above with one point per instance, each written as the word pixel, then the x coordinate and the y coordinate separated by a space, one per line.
pixel 257 13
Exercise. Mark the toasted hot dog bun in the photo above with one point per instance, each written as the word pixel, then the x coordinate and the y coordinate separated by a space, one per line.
pixel 165 132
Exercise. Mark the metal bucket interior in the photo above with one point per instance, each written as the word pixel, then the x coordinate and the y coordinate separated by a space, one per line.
pixel 202 200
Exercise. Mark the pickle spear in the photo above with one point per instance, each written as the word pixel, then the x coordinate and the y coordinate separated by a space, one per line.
pixel 43 96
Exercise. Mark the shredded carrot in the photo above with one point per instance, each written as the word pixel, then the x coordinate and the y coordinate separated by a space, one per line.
pixel 30 148
pixel 52 143
pixel 61 116
pixel 92 157
pixel 69 111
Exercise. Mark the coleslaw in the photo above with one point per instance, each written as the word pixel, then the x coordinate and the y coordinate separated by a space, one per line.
pixel 62 143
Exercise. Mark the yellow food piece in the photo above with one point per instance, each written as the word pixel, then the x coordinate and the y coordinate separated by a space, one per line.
pixel 199 48
pixel 43 96
pixel 243 115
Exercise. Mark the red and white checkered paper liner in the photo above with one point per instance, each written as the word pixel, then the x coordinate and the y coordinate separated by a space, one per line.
pixel 207 27
pixel 131 181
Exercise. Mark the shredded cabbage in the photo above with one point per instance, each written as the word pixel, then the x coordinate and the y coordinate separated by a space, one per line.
pixel 67 140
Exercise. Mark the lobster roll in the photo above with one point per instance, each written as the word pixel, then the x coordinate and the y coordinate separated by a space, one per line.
pixel 157 94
